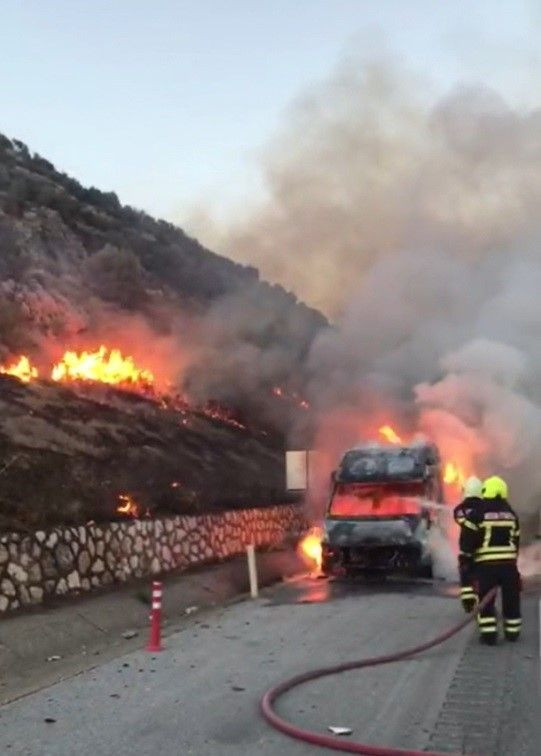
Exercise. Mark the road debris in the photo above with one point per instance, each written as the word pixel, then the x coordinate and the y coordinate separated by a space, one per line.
pixel 190 610
pixel 340 730
pixel 53 658
pixel 127 634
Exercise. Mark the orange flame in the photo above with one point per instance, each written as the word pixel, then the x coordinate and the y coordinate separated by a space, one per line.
pixel 23 370
pixel 104 366
pixel 389 434
pixel 309 547
pixel 127 506
pixel 216 412
pixel 454 475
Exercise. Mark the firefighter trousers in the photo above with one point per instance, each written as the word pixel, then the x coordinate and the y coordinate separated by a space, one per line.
pixel 503 575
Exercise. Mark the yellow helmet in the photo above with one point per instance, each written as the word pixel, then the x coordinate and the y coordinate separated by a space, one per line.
pixel 493 487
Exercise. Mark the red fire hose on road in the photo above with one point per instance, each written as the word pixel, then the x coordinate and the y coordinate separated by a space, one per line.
pixel 334 743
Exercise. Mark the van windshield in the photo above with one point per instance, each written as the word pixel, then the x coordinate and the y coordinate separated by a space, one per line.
pixel 357 500
pixel 370 465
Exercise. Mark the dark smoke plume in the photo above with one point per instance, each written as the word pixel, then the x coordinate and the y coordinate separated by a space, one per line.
pixel 415 224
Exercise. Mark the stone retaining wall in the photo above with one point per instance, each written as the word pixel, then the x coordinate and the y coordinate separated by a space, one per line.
pixel 73 560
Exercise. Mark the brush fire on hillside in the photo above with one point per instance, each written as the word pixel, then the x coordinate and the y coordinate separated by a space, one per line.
pixel 110 367
pixel 103 365
pixel 21 369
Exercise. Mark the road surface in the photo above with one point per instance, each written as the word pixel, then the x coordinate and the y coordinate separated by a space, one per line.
pixel 200 695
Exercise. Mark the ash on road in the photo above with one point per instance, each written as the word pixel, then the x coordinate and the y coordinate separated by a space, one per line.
pixel 200 696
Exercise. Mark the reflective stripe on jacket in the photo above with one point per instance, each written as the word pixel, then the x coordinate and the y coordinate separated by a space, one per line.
pixel 490 532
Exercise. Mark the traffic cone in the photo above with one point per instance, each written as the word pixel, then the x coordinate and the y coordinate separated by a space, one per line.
pixel 154 641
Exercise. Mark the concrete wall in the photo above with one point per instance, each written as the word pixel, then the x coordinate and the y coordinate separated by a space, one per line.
pixel 66 560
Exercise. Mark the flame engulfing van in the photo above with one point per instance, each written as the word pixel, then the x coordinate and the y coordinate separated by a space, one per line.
pixel 377 518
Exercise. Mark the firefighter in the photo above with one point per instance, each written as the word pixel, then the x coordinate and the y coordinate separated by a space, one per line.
pixel 472 501
pixel 489 541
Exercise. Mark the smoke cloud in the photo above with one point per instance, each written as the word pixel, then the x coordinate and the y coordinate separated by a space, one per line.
pixel 413 221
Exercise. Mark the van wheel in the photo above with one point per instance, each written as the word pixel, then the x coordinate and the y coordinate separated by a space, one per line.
pixel 327 568
pixel 425 571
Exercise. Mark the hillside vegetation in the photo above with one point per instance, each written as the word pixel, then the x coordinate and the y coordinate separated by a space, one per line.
pixel 74 265
pixel 50 225
pixel 68 456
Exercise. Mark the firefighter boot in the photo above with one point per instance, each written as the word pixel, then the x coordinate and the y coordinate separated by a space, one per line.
pixel 511 629
pixel 468 597
pixel 511 586
pixel 468 604
pixel 488 639
pixel 488 629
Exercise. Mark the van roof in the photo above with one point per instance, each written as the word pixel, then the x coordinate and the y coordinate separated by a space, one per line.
pixel 383 462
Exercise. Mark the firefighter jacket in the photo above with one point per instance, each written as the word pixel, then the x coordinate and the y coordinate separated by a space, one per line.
pixel 465 508
pixel 490 533
pixel 464 511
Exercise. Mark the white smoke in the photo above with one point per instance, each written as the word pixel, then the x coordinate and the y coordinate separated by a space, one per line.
pixel 414 222
pixel 444 559
pixel 529 562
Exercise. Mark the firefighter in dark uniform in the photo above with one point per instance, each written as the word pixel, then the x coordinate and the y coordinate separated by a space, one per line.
pixel 489 540
pixel 472 501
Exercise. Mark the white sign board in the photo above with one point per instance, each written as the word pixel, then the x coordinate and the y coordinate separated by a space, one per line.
pixel 296 470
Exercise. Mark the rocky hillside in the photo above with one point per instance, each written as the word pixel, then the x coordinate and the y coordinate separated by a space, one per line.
pixel 71 256
pixel 77 269
pixel 71 456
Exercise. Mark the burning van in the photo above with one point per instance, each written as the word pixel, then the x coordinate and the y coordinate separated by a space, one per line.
pixel 377 519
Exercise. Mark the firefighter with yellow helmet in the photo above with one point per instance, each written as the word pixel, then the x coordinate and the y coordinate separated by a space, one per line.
pixel 489 543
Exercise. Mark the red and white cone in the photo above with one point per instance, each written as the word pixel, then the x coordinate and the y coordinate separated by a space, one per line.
pixel 154 641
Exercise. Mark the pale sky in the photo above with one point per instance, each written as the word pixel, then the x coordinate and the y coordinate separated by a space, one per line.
pixel 169 101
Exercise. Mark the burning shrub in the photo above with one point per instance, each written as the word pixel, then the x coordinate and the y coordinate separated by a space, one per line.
pixel 102 366
pixel 21 369
pixel 127 506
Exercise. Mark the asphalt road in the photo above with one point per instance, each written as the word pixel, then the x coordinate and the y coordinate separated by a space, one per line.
pixel 200 695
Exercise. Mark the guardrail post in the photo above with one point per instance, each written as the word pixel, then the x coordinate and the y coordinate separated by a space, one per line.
pixel 252 570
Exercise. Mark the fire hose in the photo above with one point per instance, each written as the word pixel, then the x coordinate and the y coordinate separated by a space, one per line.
pixel 334 743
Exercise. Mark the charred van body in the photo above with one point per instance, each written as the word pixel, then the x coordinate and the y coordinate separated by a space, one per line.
pixel 377 518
